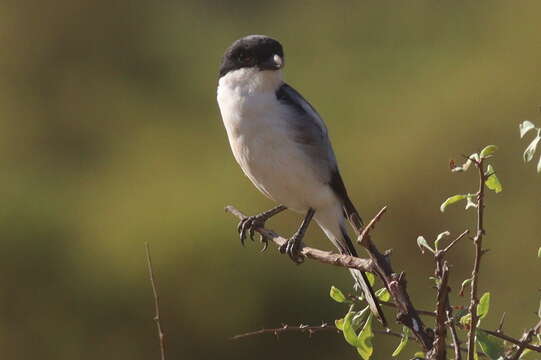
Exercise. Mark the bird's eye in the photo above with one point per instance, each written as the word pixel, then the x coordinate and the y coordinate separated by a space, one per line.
pixel 245 58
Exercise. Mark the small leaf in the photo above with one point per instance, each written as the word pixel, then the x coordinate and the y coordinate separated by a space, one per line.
pixel 403 341
pixel 484 305
pixel 524 127
pixel 419 354
pixel 364 340
pixel 493 183
pixel 421 243
pixel 337 295
pixel 358 319
pixel 451 200
pixel 490 345
pixel 464 284
pixel 383 294
pixel 465 320
pixel 487 151
pixel 339 323
pixel 347 329
pixel 371 278
pixel 439 238
pixel 539 165
pixel 469 202
pixel 539 253
pixel 530 150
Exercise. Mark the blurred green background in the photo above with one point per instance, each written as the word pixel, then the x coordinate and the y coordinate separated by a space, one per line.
pixel 110 136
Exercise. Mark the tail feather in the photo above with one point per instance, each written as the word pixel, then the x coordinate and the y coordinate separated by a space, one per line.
pixel 362 280
pixel 331 221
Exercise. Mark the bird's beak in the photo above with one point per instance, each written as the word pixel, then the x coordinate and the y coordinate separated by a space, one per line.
pixel 274 62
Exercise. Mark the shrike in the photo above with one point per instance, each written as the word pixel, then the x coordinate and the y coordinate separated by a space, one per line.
pixel 282 145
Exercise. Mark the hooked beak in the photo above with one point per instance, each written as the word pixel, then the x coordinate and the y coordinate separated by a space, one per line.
pixel 274 62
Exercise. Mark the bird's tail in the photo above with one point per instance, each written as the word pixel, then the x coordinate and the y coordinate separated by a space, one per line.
pixel 336 232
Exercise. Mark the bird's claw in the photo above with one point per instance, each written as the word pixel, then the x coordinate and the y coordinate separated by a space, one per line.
pixel 293 249
pixel 248 225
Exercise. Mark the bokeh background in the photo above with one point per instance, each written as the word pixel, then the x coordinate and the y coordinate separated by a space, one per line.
pixel 110 136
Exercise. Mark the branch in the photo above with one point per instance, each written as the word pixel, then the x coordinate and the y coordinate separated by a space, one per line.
pixel 326 257
pixel 454 335
pixel 161 334
pixel 478 243
pixel 378 263
pixel 395 283
pixel 442 273
pixel 324 327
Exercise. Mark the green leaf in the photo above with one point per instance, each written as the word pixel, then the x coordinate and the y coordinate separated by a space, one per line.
pixel 539 253
pixel 451 200
pixel 530 150
pixel 347 329
pixel 403 341
pixel 524 127
pixel 371 278
pixel 419 354
pixel 358 319
pixel 364 340
pixel 488 151
pixel 465 320
pixel 421 243
pixel 337 295
pixel 439 238
pixel 493 183
pixel 383 294
pixel 490 345
pixel 339 323
pixel 484 305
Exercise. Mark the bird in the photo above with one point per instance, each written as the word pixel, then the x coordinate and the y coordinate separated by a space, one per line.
pixel 282 145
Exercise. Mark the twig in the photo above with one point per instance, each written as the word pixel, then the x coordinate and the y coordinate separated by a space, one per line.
pixel 288 328
pixel 378 263
pixel 464 233
pixel 324 327
pixel 511 339
pixel 525 340
pixel 454 335
pixel 326 257
pixel 161 334
pixel 478 243
pixel 396 284
pixel 439 352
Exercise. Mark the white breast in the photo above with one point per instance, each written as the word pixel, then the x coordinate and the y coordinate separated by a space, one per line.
pixel 262 141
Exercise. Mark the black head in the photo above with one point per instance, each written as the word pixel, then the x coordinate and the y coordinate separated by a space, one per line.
pixel 253 51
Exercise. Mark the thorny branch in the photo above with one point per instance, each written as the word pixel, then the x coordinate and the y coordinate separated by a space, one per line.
pixel 525 340
pixel 161 334
pixel 396 284
pixel 313 329
pixel 326 257
pixel 478 243
pixel 378 263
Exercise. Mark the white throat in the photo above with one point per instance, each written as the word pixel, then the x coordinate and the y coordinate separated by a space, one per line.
pixel 249 81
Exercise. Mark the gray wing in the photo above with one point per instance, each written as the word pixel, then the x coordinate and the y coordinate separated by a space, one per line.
pixel 309 130
pixel 310 133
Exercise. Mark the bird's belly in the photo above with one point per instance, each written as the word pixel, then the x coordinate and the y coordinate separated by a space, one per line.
pixel 279 169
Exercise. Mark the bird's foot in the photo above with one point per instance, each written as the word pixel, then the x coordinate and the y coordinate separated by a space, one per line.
pixel 293 248
pixel 248 225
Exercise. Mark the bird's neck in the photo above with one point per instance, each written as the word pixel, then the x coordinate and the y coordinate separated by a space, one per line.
pixel 249 81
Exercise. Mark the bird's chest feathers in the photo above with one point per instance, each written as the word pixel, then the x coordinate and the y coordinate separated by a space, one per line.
pixel 255 126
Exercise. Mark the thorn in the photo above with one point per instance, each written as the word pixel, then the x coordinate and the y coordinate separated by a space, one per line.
pixel 500 327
